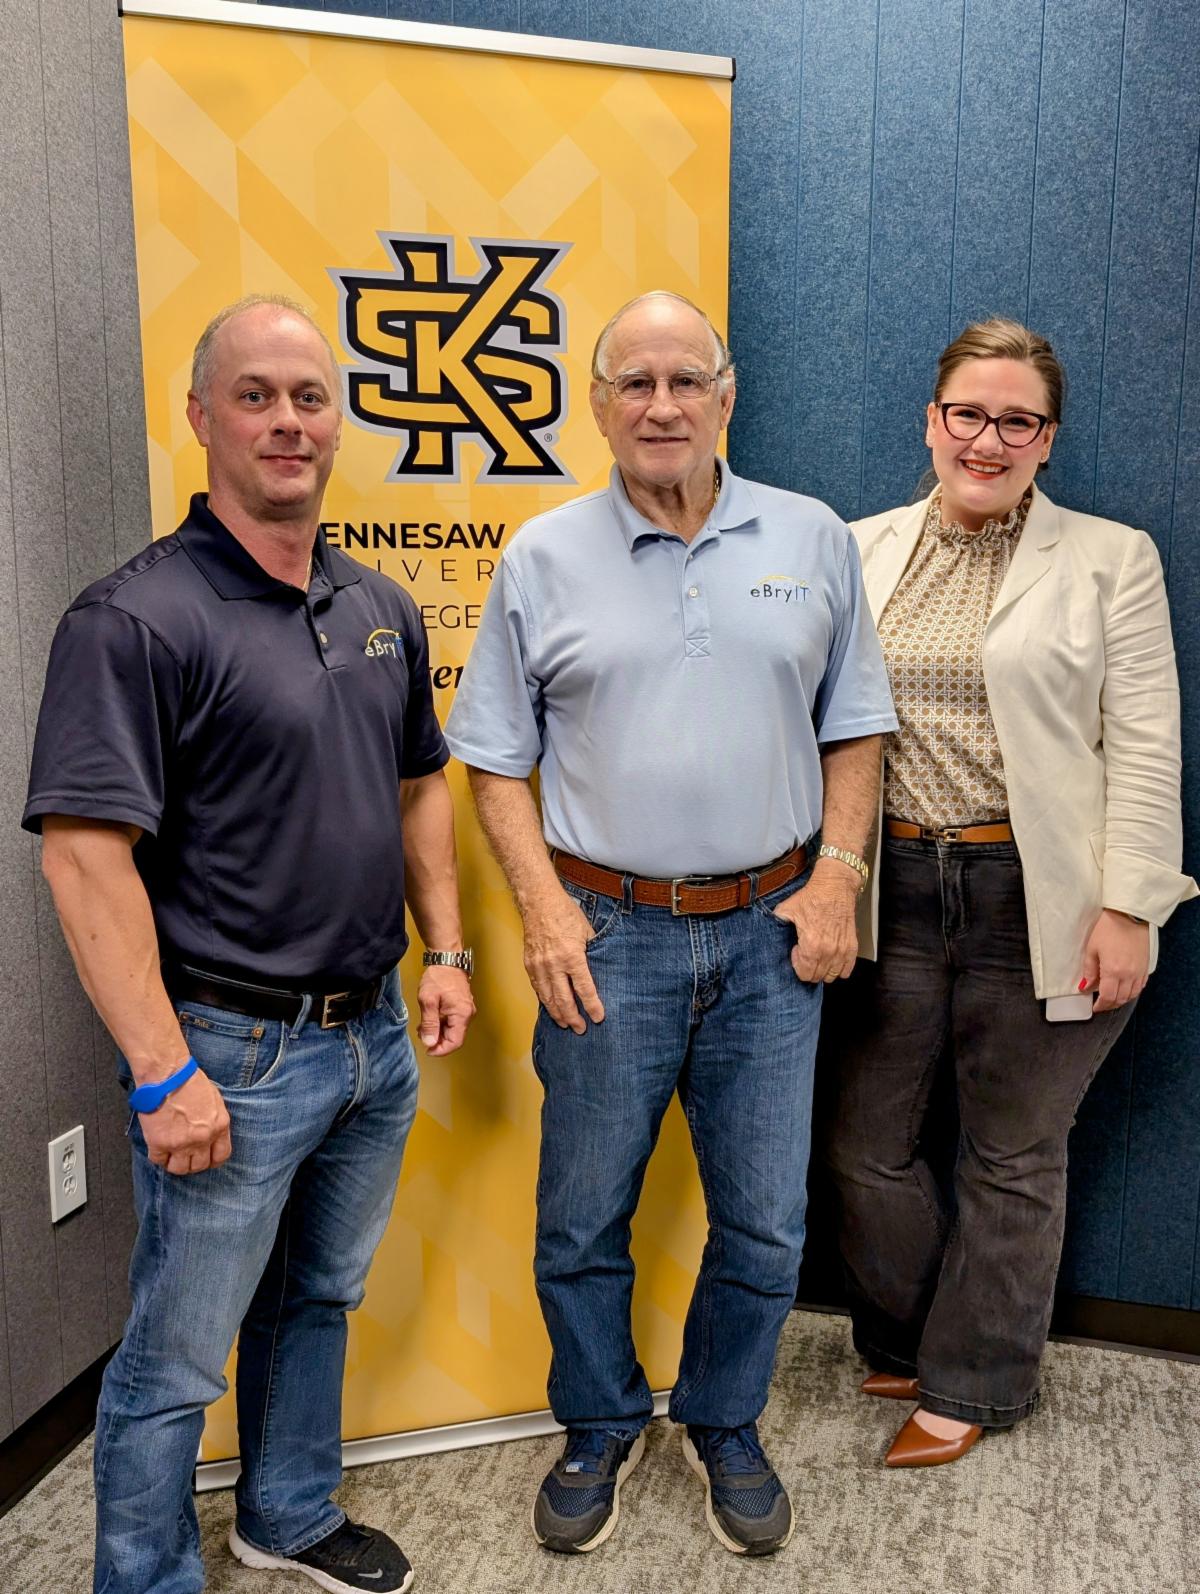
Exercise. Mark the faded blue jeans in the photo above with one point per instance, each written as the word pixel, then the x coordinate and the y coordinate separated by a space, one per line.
pixel 276 1241
pixel 710 1007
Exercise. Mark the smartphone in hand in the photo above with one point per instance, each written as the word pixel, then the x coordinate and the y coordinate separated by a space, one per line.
pixel 1069 1009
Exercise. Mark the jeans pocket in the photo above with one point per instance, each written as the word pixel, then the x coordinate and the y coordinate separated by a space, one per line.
pixel 601 912
pixel 395 1004
pixel 765 906
pixel 235 1050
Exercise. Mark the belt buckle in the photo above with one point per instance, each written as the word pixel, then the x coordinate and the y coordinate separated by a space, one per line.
pixel 685 880
pixel 949 833
pixel 326 1021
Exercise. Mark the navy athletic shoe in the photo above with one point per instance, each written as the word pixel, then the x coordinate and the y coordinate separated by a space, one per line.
pixel 347 1561
pixel 579 1501
pixel 746 1506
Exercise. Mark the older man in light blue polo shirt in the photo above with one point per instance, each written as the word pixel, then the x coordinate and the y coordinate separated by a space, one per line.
pixel 689 662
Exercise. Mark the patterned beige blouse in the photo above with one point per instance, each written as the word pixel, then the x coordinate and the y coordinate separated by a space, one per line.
pixel 943 766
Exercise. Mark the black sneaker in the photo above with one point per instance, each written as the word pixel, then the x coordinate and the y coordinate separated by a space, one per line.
pixel 747 1507
pixel 346 1561
pixel 578 1503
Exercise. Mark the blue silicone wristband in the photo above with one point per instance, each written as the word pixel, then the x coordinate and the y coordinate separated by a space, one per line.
pixel 149 1098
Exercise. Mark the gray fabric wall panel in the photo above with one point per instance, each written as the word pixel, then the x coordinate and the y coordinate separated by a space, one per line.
pixel 111 1165
pixel 71 1099
pixel 6 1417
pixel 129 475
pixel 37 582
pixel 15 857
pixel 67 290
pixel 78 294
pixel 1072 215
pixel 79 322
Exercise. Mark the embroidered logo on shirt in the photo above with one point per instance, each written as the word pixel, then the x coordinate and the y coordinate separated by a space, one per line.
pixel 443 357
pixel 781 589
pixel 382 644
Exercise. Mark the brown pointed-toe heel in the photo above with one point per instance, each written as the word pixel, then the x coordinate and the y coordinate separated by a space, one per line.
pixel 891 1386
pixel 913 1447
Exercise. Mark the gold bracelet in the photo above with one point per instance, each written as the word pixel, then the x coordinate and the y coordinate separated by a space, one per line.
pixel 844 856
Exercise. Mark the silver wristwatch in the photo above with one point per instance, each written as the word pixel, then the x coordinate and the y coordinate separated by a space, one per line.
pixel 464 960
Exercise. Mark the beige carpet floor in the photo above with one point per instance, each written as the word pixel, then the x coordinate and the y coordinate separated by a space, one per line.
pixel 1097 1494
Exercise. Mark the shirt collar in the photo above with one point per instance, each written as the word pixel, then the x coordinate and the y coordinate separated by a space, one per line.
pixel 733 509
pixel 233 572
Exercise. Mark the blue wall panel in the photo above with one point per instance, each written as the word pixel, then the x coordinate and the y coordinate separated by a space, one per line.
pixel 1072 219
pixel 764 221
pixel 555 19
pixel 911 240
pixel 997 150
pixel 701 25
pixel 898 167
pixel 1149 265
pixel 829 314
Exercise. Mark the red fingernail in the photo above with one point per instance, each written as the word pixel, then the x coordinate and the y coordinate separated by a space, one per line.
pixel 1083 984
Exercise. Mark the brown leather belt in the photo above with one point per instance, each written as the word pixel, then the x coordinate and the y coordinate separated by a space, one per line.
pixel 686 893
pixel 904 830
pixel 264 1001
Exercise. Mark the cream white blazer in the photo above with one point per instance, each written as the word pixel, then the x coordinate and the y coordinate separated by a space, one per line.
pixel 1081 681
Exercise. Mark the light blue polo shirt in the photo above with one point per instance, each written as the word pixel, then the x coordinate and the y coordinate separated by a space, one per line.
pixel 673 694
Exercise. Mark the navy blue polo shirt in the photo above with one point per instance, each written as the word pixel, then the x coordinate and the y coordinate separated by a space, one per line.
pixel 257 735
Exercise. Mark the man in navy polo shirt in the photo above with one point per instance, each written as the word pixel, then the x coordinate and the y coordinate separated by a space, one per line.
pixel 238 778
pixel 690 662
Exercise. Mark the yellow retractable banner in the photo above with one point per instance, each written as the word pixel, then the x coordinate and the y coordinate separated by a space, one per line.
pixel 461 223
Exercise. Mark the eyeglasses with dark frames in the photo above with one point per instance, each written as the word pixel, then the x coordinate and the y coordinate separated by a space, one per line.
pixel 639 387
pixel 1017 428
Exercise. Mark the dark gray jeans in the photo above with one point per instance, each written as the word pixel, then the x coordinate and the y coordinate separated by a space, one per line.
pixel 953 1285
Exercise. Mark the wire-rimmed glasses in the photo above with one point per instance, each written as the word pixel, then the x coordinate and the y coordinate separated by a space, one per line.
pixel 639 387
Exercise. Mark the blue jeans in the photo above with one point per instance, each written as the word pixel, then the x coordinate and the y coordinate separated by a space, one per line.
pixel 708 1006
pixel 276 1241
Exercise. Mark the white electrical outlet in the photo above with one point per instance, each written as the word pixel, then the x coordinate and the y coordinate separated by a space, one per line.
pixel 68 1174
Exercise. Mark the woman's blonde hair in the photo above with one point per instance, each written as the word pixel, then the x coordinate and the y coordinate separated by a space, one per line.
pixel 1001 339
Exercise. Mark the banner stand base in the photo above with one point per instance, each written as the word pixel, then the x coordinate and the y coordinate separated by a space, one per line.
pixel 420 1442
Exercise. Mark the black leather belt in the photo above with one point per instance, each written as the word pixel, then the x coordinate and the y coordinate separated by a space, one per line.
pixel 265 1001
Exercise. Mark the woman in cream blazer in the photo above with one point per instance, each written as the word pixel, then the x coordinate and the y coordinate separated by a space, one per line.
pixel 1029 848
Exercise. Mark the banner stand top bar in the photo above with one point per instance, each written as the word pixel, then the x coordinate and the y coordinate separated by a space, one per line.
pixel 485 40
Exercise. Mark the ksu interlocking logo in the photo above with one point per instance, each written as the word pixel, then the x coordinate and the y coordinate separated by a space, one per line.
pixel 443 357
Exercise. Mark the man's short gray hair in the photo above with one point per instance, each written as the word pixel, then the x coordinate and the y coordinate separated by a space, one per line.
pixel 721 356
pixel 203 356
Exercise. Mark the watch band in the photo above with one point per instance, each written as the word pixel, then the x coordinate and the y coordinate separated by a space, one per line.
pixel 843 855
pixel 464 960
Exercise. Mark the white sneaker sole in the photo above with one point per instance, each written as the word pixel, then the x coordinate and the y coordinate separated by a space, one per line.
pixel 248 1555
pixel 692 1457
pixel 623 1471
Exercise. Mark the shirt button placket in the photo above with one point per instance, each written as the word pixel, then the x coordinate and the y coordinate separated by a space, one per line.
pixel 695 616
